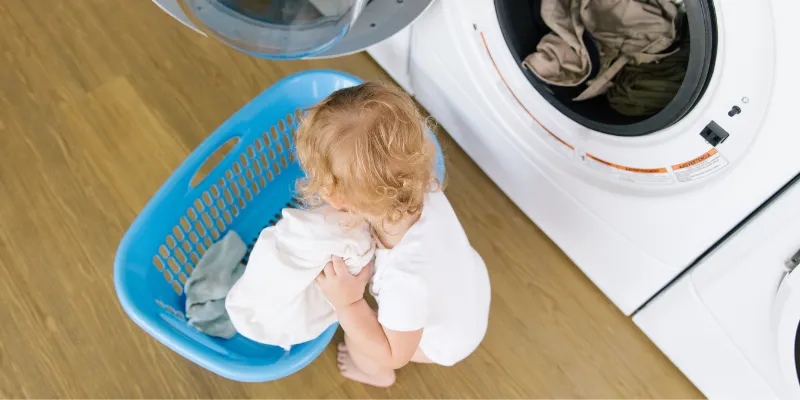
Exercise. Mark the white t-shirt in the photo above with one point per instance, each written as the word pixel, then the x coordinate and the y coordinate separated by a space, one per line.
pixel 434 280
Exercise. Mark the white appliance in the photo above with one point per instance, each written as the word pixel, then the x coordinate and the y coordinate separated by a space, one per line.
pixel 731 322
pixel 631 211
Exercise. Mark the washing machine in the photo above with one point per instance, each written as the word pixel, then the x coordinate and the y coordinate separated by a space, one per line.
pixel 633 202
pixel 732 322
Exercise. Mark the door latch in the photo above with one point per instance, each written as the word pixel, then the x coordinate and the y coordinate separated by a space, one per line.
pixel 793 262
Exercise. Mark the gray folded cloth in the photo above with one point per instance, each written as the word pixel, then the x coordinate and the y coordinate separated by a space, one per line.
pixel 213 277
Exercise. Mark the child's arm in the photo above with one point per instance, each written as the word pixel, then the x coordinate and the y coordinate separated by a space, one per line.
pixel 345 291
pixel 388 348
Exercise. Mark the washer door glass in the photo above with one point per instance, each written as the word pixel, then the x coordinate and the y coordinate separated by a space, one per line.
pixel 639 99
pixel 275 29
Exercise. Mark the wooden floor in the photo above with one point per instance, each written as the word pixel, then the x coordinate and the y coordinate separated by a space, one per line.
pixel 100 100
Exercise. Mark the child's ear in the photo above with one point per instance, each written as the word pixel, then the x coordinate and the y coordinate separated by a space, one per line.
pixel 339 205
pixel 334 202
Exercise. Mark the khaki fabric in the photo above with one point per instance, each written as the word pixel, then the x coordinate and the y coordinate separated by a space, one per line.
pixel 561 57
pixel 646 89
pixel 626 32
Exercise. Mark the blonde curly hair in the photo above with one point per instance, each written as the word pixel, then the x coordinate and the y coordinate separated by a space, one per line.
pixel 367 147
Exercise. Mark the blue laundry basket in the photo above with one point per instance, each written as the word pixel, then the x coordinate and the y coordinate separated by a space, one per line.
pixel 245 192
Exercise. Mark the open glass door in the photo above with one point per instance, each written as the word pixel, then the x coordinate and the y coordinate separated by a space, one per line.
pixel 275 29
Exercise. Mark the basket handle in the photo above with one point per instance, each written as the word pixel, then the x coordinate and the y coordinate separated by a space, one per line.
pixel 208 156
pixel 213 161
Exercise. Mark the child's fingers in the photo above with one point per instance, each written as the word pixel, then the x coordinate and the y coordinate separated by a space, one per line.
pixel 365 273
pixel 328 270
pixel 339 266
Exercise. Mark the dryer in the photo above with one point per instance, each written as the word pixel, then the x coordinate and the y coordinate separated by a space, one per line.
pixel 632 202
pixel 732 322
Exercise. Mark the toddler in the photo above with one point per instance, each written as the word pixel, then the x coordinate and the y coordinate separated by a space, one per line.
pixel 365 150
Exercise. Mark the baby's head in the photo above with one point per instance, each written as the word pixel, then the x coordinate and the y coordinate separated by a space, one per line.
pixel 365 150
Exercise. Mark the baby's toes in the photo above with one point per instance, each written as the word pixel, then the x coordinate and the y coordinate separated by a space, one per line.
pixel 341 362
pixel 342 347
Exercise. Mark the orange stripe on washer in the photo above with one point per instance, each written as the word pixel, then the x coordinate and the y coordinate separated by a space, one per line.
pixel 697 160
pixel 485 45
pixel 630 169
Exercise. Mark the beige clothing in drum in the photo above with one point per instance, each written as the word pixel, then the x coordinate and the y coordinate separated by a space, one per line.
pixel 626 31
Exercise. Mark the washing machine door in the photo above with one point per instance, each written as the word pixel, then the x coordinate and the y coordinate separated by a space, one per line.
pixel 786 317
pixel 293 29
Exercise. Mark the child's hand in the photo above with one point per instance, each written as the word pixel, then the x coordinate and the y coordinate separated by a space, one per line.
pixel 341 287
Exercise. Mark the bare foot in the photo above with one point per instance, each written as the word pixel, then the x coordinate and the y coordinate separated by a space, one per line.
pixel 350 370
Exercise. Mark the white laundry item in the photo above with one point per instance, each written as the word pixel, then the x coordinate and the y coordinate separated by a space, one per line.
pixel 276 301
pixel 435 281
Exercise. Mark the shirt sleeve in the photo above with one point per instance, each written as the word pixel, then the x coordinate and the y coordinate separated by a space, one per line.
pixel 403 302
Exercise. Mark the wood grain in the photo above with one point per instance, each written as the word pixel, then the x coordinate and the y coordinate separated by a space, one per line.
pixel 100 100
